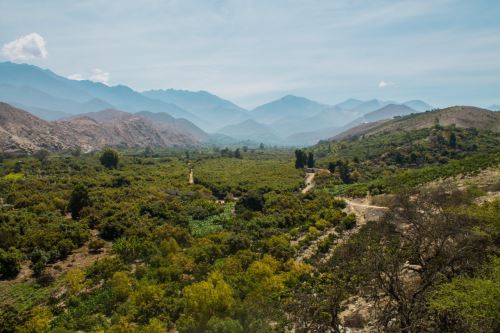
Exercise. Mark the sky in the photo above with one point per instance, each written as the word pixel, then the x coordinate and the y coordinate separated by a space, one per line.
pixel 445 52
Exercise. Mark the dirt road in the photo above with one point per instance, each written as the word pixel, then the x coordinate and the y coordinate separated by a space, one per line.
pixel 364 212
pixel 191 177
pixel 308 182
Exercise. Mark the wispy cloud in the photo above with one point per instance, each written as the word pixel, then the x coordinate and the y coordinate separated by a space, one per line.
pixel 383 84
pixel 97 75
pixel 248 51
pixel 27 47
pixel 77 77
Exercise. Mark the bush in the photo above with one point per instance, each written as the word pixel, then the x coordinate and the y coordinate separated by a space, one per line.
pixel 109 158
pixel 226 325
pixel 96 245
pixel 348 222
pixel 78 200
pixel 112 229
pixel 64 247
pixel 10 263
pixel 39 258
pixel 253 201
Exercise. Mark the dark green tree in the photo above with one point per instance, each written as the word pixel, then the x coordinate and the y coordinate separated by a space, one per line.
pixel 41 155
pixel 10 262
pixel 300 159
pixel 109 158
pixel 76 152
pixel 148 152
pixel 344 172
pixel 453 140
pixel 310 160
pixel 78 200
pixel 331 167
pixel 237 153
pixel 253 201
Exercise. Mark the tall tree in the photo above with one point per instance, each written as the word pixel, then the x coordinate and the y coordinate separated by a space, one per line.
pixel 299 159
pixel 109 158
pixel 331 167
pixel 78 200
pixel 344 172
pixel 453 140
pixel 310 160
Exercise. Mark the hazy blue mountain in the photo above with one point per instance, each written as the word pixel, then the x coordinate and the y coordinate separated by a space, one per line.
pixel 41 79
pixel 289 125
pixel 216 111
pixel 165 119
pixel 120 96
pixel 46 106
pixel 42 113
pixel 96 104
pixel 387 112
pixel 129 100
pixel 418 105
pixel 369 106
pixel 287 106
pixel 311 138
pixel 250 130
pixel 495 107
pixel 332 116
pixel 349 104
pixel 218 139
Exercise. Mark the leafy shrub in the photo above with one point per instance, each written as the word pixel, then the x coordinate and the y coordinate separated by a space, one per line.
pixel 10 263
pixel 78 200
pixel 348 222
pixel 96 245
pixel 109 158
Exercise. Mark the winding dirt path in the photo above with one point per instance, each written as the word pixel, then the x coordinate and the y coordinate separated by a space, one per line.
pixel 191 177
pixel 363 209
pixel 308 182
pixel 360 207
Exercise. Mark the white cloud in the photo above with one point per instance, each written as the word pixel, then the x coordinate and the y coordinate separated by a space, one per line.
pixel 27 47
pixel 77 77
pixel 382 84
pixel 99 75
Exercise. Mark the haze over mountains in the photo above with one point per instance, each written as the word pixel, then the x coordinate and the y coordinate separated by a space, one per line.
pixel 172 117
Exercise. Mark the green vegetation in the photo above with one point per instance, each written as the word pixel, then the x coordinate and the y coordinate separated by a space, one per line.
pixel 223 176
pixel 109 158
pixel 392 162
pixel 94 246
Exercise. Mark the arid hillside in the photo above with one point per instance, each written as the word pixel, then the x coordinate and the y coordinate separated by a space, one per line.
pixel 22 132
pixel 460 116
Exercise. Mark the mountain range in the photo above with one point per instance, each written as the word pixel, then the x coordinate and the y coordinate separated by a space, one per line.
pixel 290 120
pixel 20 131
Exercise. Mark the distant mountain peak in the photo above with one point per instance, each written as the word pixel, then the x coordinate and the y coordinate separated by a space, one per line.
pixel 418 105
pixel 286 107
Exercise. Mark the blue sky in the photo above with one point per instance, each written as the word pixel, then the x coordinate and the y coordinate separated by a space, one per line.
pixel 445 52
